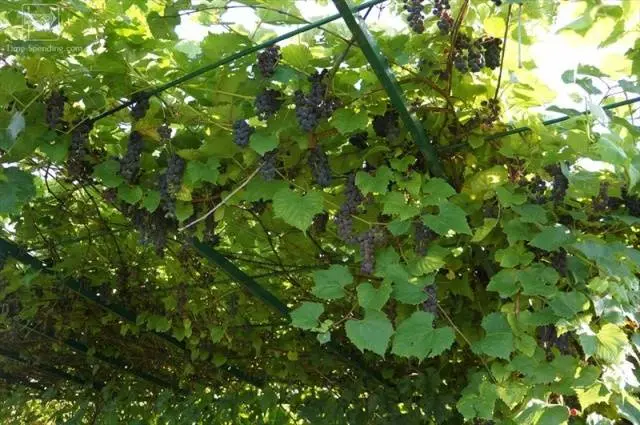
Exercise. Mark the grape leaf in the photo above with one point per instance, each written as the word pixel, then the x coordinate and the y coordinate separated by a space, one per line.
pixel 372 333
pixel 330 283
pixel 297 210
pixel 450 218
pixel 416 337
pixel 498 341
pixel 371 298
pixel 306 316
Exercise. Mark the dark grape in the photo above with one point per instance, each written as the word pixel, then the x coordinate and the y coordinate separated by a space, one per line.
pixel 55 109
pixel 441 10
pixel 491 50
pixel 268 169
pixel 153 227
pixel 3 259
pixel 560 184
pixel 130 162
pixel 268 103
pixel 475 59
pixel 416 17
pixel 164 131
pixel 387 125
pixel 259 206
pixel 537 187
pixel 632 203
pixel 344 219
pixel 559 262
pixel 140 106
pixel 548 337
pixel 76 163
pixel 316 105
pixel 175 171
pixel 242 131
pixel 268 60
pixel 209 236
pixel 320 221
pixel 359 140
pixel 497 2
pixel 319 164
pixel 423 236
pixel 430 305
pixel 601 202
pixel 367 252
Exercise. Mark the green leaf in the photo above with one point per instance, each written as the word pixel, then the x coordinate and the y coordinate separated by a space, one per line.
pixel 436 191
pixel 478 403
pixel 109 173
pixel 184 210
pixel 216 333
pixel 498 341
pixel 348 121
pixel 151 200
pixel 330 283
pixel 551 238
pixel 379 183
pixel 130 194
pixel 510 199
pixel 297 210
pixel 371 298
pixel 568 304
pixel 416 337
pixel 450 218
pixel 514 255
pixel 538 279
pixel 433 261
pixel 395 203
pixel 307 315
pixel 263 141
pixel 412 291
pixel 296 55
pixel 530 213
pixel 16 188
pixel 594 394
pixel 505 282
pixel 612 342
pixel 484 230
pixel 200 171
pixel 372 333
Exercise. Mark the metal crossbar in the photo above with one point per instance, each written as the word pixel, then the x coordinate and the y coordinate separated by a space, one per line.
pixel 121 311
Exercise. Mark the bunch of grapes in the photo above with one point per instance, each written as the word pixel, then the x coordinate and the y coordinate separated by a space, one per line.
pixel 497 2
pixel 423 236
pixel 387 125
pixel 548 337
pixel 601 202
pixel 259 206
pixel 140 106
pixel 268 168
pixel 319 164
pixel 560 184
pixel 320 221
pixel 171 181
pixel 359 140
pixel 242 131
pixel 492 47
pixel 315 105
pixel 164 131
pixel 76 164
pixel 268 103
pixel 475 58
pixel 367 252
pixel 153 227
pixel 130 162
pixel 430 305
pixel 559 262
pixel 537 187
pixel 415 18
pixel 632 203
pixel 344 219
pixel 55 108
pixel 268 60
pixel 441 10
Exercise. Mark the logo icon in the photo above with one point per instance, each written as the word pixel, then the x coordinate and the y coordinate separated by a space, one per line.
pixel 41 22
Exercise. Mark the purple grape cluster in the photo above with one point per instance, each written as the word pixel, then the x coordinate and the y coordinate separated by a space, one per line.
pixel 319 164
pixel 55 109
pixel 387 125
pixel 242 131
pixel 268 169
pixel 320 221
pixel 560 184
pixel 559 262
pixel 344 219
pixel 268 102
pixel 537 186
pixel 315 105
pixel 130 162
pixel 359 140
pixel 259 206
pixel 548 337
pixel 76 163
pixel 423 236
pixel 601 201
pixel 416 17
pixel 430 305
pixel 367 252
pixel 153 227
pixel 492 48
pixel 268 60
pixel 497 2
pixel 164 131
pixel 140 106
pixel 632 203
pixel 441 10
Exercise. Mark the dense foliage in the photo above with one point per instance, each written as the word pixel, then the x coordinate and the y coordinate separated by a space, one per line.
pixel 264 243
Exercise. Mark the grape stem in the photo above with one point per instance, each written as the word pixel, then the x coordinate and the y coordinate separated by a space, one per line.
pixel 504 49
pixel 224 201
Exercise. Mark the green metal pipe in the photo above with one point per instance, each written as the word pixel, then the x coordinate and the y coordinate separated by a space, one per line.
pixel 235 56
pixel 388 80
